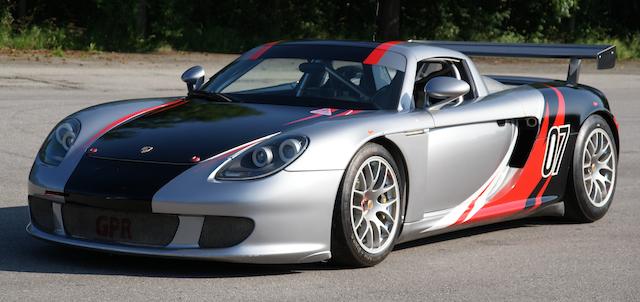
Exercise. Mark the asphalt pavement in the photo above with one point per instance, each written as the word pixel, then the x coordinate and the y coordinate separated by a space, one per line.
pixel 533 259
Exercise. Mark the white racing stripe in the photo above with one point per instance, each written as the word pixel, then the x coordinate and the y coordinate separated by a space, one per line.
pixel 482 195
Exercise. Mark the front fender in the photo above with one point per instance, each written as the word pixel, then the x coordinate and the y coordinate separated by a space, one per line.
pixel 333 143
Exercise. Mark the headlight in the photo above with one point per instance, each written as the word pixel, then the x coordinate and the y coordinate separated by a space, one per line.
pixel 263 159
pixel 59 142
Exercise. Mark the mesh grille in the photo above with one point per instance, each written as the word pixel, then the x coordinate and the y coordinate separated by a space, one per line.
pixel 221 231
pixel 41 213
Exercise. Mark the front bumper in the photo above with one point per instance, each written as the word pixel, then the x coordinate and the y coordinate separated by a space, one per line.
pixel 273 254
pixel 292 213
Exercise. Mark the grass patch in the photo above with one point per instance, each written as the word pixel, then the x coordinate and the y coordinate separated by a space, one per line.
pixel 58 52
pixel 34 37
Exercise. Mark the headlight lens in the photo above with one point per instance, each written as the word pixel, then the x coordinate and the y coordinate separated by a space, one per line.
pixel 59 142
pixel 263 159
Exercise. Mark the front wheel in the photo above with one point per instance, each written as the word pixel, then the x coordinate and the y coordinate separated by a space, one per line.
pixel 593 179
pixel 369 209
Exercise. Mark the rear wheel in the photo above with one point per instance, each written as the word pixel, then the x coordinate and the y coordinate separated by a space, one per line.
pixel 368 211
pixel 593 178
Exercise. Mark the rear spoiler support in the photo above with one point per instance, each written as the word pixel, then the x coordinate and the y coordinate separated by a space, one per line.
pixel 605 55
pixel 574 71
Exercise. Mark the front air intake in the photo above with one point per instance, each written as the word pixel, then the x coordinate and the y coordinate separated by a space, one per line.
pixel 41 213
pixel 223 231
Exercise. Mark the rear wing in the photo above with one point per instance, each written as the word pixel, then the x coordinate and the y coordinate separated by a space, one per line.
pixel 605 55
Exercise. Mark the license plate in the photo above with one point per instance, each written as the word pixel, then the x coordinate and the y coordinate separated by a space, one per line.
pixel 117 226
pixel 113 227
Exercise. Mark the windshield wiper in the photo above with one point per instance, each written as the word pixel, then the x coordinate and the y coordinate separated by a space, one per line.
pixel 211 96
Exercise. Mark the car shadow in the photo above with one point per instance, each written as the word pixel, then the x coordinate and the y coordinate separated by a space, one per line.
pixel 499 226
pixel 19 252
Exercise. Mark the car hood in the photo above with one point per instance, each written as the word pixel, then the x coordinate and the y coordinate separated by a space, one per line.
pixel 199 129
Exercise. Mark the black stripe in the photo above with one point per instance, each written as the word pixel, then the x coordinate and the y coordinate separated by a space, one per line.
pixel 551 101
pixel 531 201
pixel 119 185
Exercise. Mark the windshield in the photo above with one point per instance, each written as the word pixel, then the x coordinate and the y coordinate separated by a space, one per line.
pixel 310 81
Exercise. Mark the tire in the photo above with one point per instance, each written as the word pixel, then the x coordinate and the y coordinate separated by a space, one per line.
pixel 352 243
pixel 582 202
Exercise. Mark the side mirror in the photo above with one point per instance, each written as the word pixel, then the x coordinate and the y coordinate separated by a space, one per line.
pixel 447 88
pixel 194 77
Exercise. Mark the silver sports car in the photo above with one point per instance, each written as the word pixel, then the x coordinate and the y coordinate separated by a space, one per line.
pixel 305 151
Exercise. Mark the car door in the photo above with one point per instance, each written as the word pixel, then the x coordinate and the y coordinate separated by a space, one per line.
pixel 465 147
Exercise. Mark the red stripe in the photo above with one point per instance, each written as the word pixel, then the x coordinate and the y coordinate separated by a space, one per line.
pixel 131 116
pixel 470 207
pixel 304 119
pixel 499 210
pixel 377 54
pixel 557 122
pixel 539 196
pixel 167 107
pixel 560 114
pixel 513 198
pixel 315 115
pixel 347 112
pixel 47 192
pixel 232 151
pixel 262 50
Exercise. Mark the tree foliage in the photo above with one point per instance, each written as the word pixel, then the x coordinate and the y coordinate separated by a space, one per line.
pixel 235 26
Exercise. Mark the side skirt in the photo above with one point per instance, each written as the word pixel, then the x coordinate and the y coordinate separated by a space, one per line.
pixel 419 229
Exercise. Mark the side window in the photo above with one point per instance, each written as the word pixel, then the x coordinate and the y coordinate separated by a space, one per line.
pixel 429 69
pixel 463 69
pixel 425 71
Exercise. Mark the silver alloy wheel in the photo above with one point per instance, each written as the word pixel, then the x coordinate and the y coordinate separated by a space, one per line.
pixel 375 205
pixel 598 167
